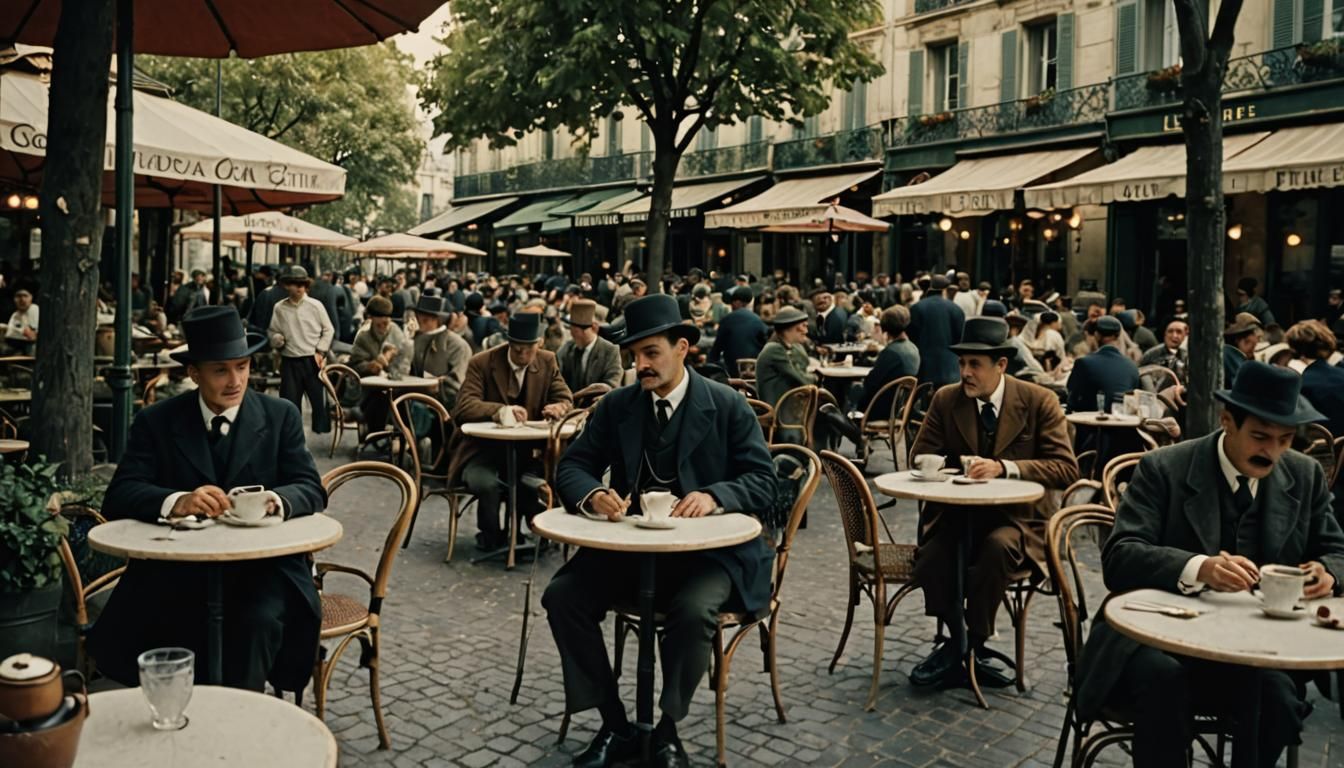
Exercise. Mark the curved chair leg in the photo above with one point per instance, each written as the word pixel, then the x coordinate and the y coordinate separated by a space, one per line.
pixel 619 627
pixel 320 683
pixel 1064 735
pixel 406 542
pixel 336 428
pixel 849 623
pixel 721 662
pixel 564 729
pixel 1021 641
pixel 879 636
pixel 375 692
pixel 773 663
pixel 453 512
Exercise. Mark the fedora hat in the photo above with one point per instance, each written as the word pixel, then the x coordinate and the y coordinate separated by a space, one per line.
pixel 788 316
pixel 295 274
pixel 433 305
pixel 1241 325
pixel 1271 393
pixel 216 333
pixel 524 328
pixel 984 336
pixel 583 313
pixel 651 315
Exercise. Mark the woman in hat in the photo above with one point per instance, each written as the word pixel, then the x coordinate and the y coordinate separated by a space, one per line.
pixel 782 364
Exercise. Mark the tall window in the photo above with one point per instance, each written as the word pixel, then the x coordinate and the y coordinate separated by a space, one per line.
pixel 755 129
pixel 1334 18
pixel 708 139
pixel 548 145
pixel 1161 38
pixel 946 77
pixel 613 131
pixel 426 206
pixel 1043 57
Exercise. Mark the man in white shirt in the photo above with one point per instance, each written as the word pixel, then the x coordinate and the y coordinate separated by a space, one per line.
pixel 301 329
pixel 21 335
pixel 967 299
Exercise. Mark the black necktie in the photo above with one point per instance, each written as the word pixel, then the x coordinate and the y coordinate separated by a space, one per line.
pixel 577 363
pixel 664 413
pixel 217 426
pixel 1242 497
pixel 987 418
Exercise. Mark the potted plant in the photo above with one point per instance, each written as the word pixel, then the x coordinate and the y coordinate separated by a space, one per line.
pixel 31 530
pixel 1323 54
pixel 1166 80
pixel 1035 104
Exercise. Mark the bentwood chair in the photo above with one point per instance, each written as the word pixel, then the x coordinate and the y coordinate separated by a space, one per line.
pixel 796 415
pixel 589 395
pixel 747 388
pixel 1156 378
pixel 1316 441
pixel 346 619
pixel 336 378
pixel 87 573
pixel 889 430
pixel 746 368
pixel 921 400
pixel 431 473
pixel 765 414
pixel 1116 476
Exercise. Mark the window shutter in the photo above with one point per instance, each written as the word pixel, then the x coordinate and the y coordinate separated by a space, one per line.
pixel 1008 66
pixel 755 130
pixel 964 75
pixel 859 101
pixel 1285 24
pixel 1127 37
pixel 915 91
pixel 1313 19
pixel 1064 52
pixel 645 137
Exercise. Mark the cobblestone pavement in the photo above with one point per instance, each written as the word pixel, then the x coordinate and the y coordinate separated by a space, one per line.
pixel 451 636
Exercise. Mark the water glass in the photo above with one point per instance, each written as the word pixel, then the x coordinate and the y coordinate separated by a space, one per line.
pixel 166 676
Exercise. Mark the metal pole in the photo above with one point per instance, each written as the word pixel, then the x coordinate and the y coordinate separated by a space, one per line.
pixel 218 249
pixel 119 375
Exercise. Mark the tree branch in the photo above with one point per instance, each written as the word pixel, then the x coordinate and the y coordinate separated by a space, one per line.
pixel 692 51
pixel 661 96
pixel 1194 46
pixel 1224 26
pixel 297 118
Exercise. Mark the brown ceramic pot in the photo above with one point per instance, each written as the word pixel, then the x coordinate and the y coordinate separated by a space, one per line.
pixel 30 687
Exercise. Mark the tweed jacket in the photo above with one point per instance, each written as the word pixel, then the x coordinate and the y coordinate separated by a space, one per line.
pixel 443 354
pixel 779 368
pixel 368 346
pixel 604 365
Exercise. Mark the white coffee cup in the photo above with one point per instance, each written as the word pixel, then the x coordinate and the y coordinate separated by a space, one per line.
pixel 506 417
pixel 929 463
pixel 249 502
pixel 1281 586
pixel 657 505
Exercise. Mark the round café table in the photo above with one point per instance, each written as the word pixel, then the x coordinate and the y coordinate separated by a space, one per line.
pixel 965 498
pixel 215 545
pixel 427 384
pixel 1102 423
pixel 689 535
pixel 225 726
pixel 15 395
pixel 527 432
pixel 13 446
pixel 844 371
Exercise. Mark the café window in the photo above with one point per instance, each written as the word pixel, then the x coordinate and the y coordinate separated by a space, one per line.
pixel 946 77
pixel 1161 37
pixel 1334 18
pixel 1043 57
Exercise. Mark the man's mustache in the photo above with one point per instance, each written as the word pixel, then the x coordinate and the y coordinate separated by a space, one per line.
pixel 646 374
pixel 1261 461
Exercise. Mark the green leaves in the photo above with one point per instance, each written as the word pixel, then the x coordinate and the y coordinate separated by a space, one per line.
pixel 29 534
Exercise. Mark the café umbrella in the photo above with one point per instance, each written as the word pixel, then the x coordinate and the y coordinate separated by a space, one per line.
pixel 542 250
pixel 836 218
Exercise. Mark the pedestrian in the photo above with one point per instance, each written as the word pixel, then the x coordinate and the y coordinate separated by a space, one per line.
pixel 302 331
pixel 935 325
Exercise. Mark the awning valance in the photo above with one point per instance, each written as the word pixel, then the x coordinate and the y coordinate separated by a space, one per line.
pixel 976 186
pixel 1306 157
pixel 536 212
pixel 687 199
pixel 1147 173
pixel 459 216
pixel 267 227
pixel 604 214
pixel 786 200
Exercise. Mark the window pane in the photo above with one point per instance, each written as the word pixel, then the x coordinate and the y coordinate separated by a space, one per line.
pixel 1336 18
pixel 953 77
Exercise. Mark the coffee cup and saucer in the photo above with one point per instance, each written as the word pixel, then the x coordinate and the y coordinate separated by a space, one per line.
pixel 250 507
pixel 1281 591
pixel 656 508
pixel 929 468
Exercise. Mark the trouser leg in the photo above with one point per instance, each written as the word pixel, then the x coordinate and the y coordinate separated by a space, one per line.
pixel 935 569
pixel 481 475
pixel 291 381
pixel 1157 688
pixel 696 589
pixel 995 558
pixel 1282 712
pixel 317 396
pixel 576 602
pixel 254 628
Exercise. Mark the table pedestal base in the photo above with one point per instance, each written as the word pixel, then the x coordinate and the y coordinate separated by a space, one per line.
pixel 214 617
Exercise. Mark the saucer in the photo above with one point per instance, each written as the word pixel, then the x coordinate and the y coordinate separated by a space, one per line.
pixel 655 525
pixel 1298 611
pixel 264 522
pixel 936 477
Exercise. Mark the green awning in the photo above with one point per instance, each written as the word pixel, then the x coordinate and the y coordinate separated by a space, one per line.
pixel 604 213
pixel 459 216
pixel 522 220
pixel 587 201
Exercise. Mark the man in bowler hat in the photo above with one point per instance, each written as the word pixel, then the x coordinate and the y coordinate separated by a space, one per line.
pixel 587 358
pixel 1203 515
pixel 183 454
pixel 675 430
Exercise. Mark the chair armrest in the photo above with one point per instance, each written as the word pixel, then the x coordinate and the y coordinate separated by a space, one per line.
pixel 325 568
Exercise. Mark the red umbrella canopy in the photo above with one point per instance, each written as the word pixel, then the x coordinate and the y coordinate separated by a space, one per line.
pixel 250 28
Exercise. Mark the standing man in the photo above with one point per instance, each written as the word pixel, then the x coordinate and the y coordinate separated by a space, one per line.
pixel 968 300
pixel 183 454
pixel 437 351
pixel 518 377
pixel 677 430
pixel 1018 431
pixel 1104 372
pixel 935 325
pixel 587 358
pixel 742 333
pixel 1204 515
pixel 302 331
pixel 21 333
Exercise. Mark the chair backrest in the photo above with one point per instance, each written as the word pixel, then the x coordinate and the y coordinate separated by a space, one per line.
pixel 1333 476
pixel 410 497
pixel 797 410
pixel 9 428
pixel 150 393
pixel 1319 444
pixel 858 511
pixel 1156 378
pixel 1082 491
pixel 765 414
pixel 1115 477
pixel 82 517
pixel 805 485
pixel 746 367
pixel 589 395
pixel 1061 559
pixel 919 407
pixel 743 386
pixel 443 422
pixel 900 391
pixel 558 440
pixel 335 378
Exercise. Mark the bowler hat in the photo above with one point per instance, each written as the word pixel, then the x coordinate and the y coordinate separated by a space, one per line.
pixel 651 315
pixel 214 334
pixel 984 336
pixel 1271 393
pixel 295 274
pixel 432 305
pixel 582 313
pixel 1109 326
pixel 524 328
pixel 938 282
pixel 788 316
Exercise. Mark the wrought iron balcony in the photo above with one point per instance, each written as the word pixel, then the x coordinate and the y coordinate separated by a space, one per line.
pixel 926 6
pixel 831 149
pixel 710 162
pixel 1051 109
pixel 1292 65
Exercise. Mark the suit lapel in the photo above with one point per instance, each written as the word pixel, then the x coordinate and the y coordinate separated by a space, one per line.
pixel 631 434
pixel 532 383
pixel 501 371
pixel 1012 416
pixel 1202 479
pixel 1278 507
pixel 248 432
pixel 190 438
pixel 695 423
pixel 964 416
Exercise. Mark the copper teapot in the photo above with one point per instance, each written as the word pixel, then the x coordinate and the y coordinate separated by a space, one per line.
pixel 39 722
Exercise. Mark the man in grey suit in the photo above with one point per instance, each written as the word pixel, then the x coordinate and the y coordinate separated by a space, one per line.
pixel 587 358
pixel 1201 515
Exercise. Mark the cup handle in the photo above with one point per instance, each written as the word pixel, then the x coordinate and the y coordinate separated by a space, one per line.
pixel 246 489
pixel 65 681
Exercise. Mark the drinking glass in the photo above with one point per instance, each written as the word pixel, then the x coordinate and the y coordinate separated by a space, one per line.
pixel 166 675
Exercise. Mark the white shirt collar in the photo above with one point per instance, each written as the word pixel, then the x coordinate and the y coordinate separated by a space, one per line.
pixel 996 399
pixel 1230 473
pixel 208 415
pixel 519 371
pixel 677 394
pixel 823 315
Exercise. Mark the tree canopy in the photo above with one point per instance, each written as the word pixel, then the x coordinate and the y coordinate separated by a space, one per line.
pixel 351 107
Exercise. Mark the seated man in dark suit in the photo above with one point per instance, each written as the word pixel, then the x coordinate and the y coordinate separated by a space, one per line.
pixel 676 430
pixel 1106 371
pixel 741 334
pixel 1203 515
pixel 899 358
pixel 182 456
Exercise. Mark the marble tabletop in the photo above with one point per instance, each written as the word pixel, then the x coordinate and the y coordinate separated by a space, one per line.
pixel 1099 419
pixel 686 535
pixel 991 492
pixel 218 543
pixel 405 382
pixel 531 430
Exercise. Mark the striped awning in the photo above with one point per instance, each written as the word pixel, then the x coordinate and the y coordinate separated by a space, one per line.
pixel 977 186
pixel 786 200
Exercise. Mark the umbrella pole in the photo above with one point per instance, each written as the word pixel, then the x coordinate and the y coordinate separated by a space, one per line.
pixel 218 202
pixel 251 283
pixel 119 375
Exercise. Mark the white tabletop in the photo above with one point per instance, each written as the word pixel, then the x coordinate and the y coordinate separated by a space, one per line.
pixel 226 726
pixel 217 543
pixel 1099 419
pixel 13 446
pixel 532 430
pixel 1230 629
pixel 405 382
pixel 848 347
pixel 15 395
pixel 993 492
pixel 689 535
pixel 845 371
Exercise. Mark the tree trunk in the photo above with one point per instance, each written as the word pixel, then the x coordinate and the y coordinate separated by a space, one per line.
pixel 665 161
pixel 72 233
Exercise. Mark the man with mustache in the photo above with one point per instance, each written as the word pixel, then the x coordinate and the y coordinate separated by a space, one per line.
pixel 1202 515
pixel 674 430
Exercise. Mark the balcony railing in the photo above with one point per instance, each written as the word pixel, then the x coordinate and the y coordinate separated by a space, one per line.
pixel 831 149
pixel 710 162
pixel 1051 109
pixel 1292 65
pixel 926 6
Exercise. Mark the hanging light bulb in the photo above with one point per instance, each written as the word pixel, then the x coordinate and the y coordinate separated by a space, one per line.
pixel 1234 232
pixel 1049 233
pixel 30 202
pixel 945 224
pixel 14 201
pixel 965 235
pixel 1056 216
pixel 1014 224
pixel 1294 240
pixel 835 237
pixel 1076 220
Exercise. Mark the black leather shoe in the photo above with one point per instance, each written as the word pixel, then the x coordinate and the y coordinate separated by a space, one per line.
pixel 669 754
pixel 489 542
pixel 937 667
pixel 990 676
pixel 609 748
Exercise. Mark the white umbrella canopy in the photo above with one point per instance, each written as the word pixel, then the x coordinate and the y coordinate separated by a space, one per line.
pixel 541 250
pixel 402 243
pixel 836 218
pixel 268 227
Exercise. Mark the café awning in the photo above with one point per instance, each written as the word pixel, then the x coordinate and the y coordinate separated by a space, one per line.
pixel 976 186
pixel 786 200
pixel 534 213
pixel 687 199
pixel 459 216
pixel 267 227
pixel 1147 173
pixel 604 214
pixel 1305 157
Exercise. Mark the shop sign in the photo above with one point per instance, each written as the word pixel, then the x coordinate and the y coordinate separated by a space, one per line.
pixel 1235 114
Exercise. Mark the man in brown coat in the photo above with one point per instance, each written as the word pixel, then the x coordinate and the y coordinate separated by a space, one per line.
pixel 518 377
pixel 1017 430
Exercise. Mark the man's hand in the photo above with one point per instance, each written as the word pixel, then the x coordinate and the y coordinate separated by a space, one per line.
pixel 320 358
pixel 608 504
pixel 1228 573
pixel 375 366
pixel 519 413
pixel 1319 581
pixel 985 469
pixel 696 504
pixel 30 334
pixel 208 500
pixel 278 340
pixel 555 411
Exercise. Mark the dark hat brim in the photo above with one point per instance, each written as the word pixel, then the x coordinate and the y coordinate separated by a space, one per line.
pixel 234 349
pixel 1303 413
pixel 979 348
pixel 688 332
